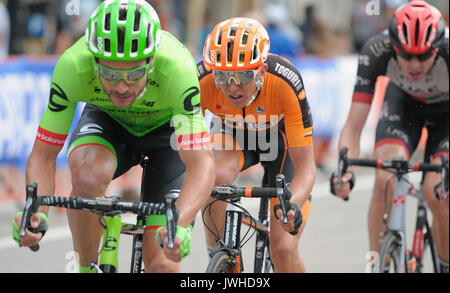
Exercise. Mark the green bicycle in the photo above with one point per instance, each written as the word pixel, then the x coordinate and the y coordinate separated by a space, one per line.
pixel 109 210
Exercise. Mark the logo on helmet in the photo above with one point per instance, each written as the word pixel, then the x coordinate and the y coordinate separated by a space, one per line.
pixel 212 57
pixel 100 45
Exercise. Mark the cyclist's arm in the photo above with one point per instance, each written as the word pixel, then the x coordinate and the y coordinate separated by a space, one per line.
pixel 41 168
pixel 351 132
pixel 304 173
pixel 197 185
pixel 371 64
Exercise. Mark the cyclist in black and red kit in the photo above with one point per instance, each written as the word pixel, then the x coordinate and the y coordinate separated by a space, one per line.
pixel 413 53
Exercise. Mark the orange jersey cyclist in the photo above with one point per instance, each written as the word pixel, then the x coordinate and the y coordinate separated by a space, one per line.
pixel 261 115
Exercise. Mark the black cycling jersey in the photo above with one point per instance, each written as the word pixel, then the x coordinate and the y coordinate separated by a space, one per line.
pixel 378 58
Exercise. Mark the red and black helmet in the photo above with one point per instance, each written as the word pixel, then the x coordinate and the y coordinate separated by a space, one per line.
pixel 416 28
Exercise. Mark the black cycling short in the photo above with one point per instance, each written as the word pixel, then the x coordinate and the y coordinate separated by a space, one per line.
pixel 402 118
pixel 164 169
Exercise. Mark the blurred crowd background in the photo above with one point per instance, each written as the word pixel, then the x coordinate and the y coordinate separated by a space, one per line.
pixel 321 37
pixel 296 27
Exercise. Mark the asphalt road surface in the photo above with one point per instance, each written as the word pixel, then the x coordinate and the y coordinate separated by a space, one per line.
pixel 335 239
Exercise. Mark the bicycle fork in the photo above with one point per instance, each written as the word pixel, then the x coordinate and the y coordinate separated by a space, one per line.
pixel 262 258
pixel 232 233
pixel 110 245
pixel 396 224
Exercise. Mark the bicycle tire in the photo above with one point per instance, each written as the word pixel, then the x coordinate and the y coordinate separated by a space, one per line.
pixel 390 254
pixel 221 262
pixel 428 244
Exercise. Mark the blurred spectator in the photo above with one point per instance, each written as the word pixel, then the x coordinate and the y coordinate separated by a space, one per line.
pixel 4 30
pixel 73 22
pixel 318 39
pixel 285 38
pixel 364 26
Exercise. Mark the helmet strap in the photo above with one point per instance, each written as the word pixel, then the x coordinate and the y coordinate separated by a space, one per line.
pixel 259 84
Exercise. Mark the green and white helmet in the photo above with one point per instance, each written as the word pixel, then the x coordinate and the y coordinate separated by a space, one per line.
pixel 123 30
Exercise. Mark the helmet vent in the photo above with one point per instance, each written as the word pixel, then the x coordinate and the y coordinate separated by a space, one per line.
pixel 120 39
pixel 219 38
pixel 232 32
pixel 147 40
pixel 229 52
pixel 244 38
pixel 134 45
pixel 107 44
pixel 416 39
pixel 406 33
pixel 107 27
pixel 137 20
pixel 123 15
pixel 241 57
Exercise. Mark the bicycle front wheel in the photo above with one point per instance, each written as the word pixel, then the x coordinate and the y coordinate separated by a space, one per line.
pixel 389 261
pixel 221 262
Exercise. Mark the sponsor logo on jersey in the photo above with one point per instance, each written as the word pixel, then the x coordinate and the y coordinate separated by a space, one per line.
pixel 90 128
pixel 56 91
pixel 290 75
pixel 259 110
pixel 50 137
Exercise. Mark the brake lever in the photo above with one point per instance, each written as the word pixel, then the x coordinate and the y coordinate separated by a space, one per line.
pixel 31 207
pixel 342 166
pixel 283 195
pixel 172 216
pixel 444 173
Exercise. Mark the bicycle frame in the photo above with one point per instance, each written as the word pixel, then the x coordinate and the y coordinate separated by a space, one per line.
pixel 394 243
pixel 397 224
pixel 108 261
pixel 421 238
pixel 109 208
pixel 262 253
pixel 230 251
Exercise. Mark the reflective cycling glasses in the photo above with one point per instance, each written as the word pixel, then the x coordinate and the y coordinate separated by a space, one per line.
pixel 129 76
pixel 239 77
pixel 422 57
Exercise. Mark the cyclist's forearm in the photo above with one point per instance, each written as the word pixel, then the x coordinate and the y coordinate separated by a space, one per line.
pixel 304 174
pixel 302 184
pixel 351 132
pixel 351 139
pixel 42 170
pixel 197 185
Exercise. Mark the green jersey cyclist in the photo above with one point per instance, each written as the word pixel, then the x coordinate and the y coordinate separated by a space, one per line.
pixel 142 99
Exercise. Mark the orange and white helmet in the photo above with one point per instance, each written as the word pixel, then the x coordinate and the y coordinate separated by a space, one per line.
pixel 236 44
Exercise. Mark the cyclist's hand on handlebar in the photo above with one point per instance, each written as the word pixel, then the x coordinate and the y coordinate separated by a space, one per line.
pixel 347 183
pixel 39 225
pixel 444 201
pixel 182 242
pixel 295 219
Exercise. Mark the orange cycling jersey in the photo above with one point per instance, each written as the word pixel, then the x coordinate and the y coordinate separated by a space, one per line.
pixel 281 98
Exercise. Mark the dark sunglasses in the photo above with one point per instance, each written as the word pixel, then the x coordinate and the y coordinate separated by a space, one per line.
pixel 422 57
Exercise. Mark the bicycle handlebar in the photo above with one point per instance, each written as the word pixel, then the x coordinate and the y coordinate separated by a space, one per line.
pixel 399 166
pixel 281 191
pixel 100 204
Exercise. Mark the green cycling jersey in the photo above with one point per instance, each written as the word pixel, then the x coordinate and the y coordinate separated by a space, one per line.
pixel 171 95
